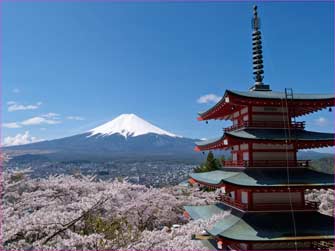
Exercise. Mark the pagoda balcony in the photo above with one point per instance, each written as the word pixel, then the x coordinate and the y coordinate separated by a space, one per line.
pixel 266 124
pixel 232 202
pixel 266 163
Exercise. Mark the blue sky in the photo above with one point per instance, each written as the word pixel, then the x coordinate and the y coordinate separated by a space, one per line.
pixel 68 67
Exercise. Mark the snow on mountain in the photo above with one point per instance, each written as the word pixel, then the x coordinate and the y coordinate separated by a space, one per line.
pixel 128 125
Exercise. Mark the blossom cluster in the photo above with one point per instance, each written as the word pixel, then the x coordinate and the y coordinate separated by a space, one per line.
pixel 325 199
pixel 82 213
pixel 68 212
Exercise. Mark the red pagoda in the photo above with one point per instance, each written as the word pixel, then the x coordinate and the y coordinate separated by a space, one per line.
pixel 264 184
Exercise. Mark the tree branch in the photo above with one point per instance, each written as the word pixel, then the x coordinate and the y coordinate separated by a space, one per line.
pixel 71 223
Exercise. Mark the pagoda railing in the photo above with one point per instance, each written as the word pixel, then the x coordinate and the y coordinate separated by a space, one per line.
pixel 309 205
pixel 266 124
pixel 236 163
pixel 266 163
pixel 231 201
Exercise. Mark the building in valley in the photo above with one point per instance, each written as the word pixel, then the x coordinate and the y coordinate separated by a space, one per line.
pixel 264 183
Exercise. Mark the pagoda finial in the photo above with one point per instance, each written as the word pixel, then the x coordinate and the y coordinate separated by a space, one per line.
pixel 255 19
pixel 257 56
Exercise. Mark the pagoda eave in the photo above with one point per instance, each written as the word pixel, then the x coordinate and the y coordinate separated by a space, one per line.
pixel 269 189
pixel 217 145
pixel 283 239
pixel 255 227
pixel 221 111
pixel 220 144
pixel 303 105
pixel 247 227
pixel 264 178
pixel 301 138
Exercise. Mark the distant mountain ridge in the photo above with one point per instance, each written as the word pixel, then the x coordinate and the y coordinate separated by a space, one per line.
pixel 313 155
pixel 126 136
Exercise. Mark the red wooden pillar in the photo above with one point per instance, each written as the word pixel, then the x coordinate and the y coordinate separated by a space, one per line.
pixel 251 157
pixel 240 117
pixel 238 195
pixel 250 200
pixel 249 113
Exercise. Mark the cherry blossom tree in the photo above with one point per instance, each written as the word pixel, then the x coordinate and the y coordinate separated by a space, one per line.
pixel 67 212
pixel 324 197
pixel 80 212
pixel 177 238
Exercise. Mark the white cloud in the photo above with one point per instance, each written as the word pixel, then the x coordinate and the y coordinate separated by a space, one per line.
pixel 209 98
pixel 40 120
pixel 75 118
pixel 11 102
pixel 50 115
pixel 321 121
pixel 16 90
pixel 14 106
pixel 20 139
pixel 46 119
pixel 11 125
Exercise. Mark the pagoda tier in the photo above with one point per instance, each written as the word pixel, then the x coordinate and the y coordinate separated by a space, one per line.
pixel 267 147
pixel 272 102
pixel 265 231
pixel 263 189
pixel 302 139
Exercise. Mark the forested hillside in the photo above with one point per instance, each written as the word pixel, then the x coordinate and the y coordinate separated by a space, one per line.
pixel 325 165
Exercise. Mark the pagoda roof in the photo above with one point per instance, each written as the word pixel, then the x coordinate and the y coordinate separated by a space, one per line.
pixel 280 134
pixel 206 211
pixel 303 103
pixel 265 226
pixel 269 136
pixel 213 177
pixel 209 141
pixel 274 226
pixel 210 244
pixel 266 177
pixel 281 95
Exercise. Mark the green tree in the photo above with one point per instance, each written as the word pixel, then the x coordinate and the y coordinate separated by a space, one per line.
pixel 210 164
pixel 222 160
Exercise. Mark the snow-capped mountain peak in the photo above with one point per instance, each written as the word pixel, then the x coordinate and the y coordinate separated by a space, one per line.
pixel 128 125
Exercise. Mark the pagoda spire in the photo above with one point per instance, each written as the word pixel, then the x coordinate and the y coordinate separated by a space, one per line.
pixel 257 56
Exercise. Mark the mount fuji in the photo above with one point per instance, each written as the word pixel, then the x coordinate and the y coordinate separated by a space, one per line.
pixel 127 136
pixel 128 125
